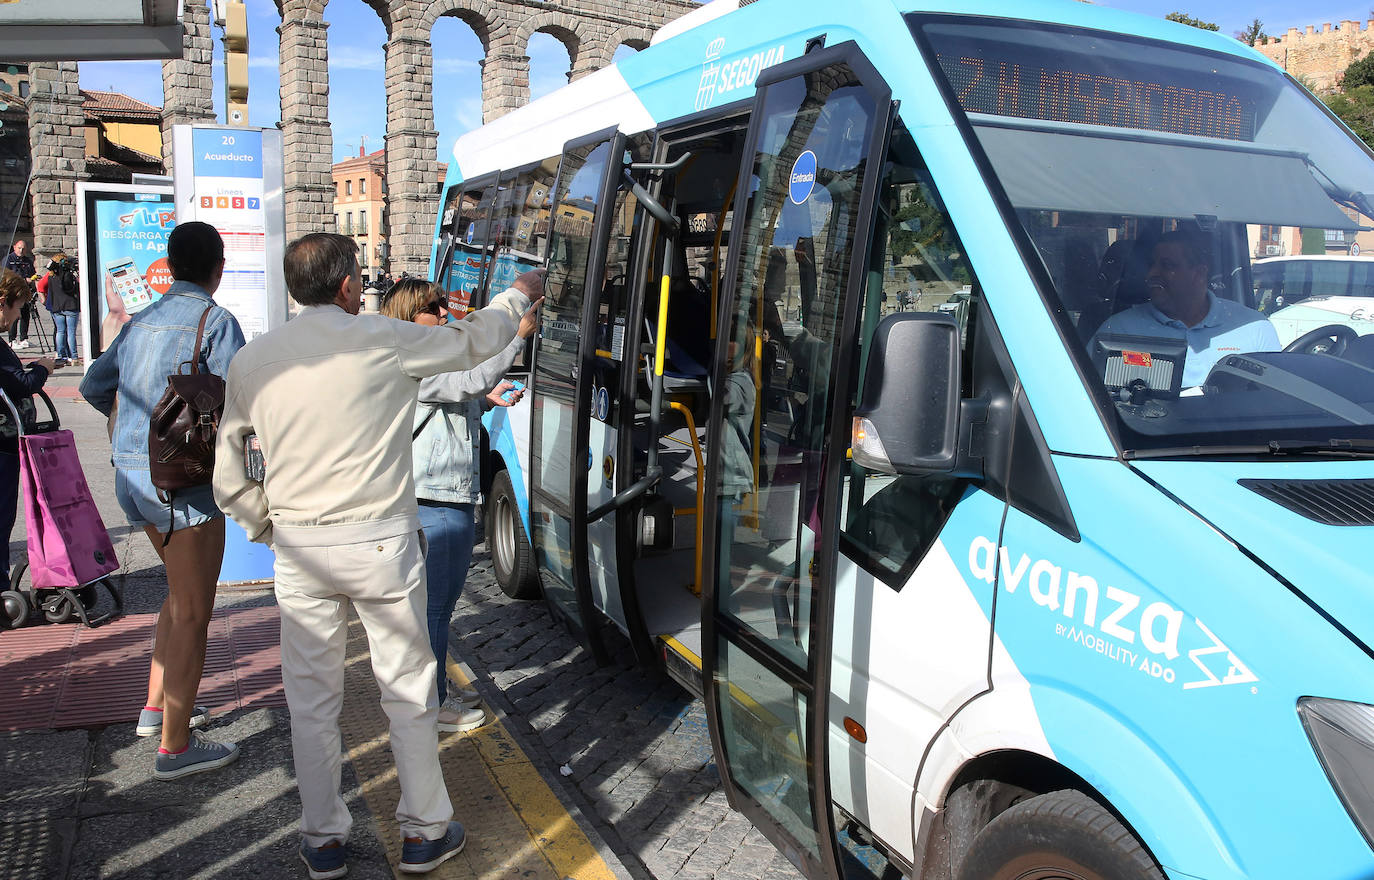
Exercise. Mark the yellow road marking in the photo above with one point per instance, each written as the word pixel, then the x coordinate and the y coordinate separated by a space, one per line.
pixel 517 827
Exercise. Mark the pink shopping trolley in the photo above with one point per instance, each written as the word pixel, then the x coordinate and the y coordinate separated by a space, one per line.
pixel 69 550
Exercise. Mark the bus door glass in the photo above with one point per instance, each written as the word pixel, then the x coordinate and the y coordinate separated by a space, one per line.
pixel 520 223
pixel 607 361
pixel 560 459
pixel 467 219
pixel 807 190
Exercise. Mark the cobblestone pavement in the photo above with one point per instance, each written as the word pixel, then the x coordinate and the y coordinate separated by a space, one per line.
pixel 635 741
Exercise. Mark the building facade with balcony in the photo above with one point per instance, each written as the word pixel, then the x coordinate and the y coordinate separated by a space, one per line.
pixel 360 207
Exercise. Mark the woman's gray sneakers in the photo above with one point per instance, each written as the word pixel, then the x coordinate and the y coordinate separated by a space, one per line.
pixel 201 754
pixel 150 720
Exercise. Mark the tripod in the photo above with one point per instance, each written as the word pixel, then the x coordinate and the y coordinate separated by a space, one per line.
pixel 44 335
pixel 40 338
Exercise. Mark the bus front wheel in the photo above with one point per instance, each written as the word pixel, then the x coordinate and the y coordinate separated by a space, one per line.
pixel 1062 834
pixel 512 560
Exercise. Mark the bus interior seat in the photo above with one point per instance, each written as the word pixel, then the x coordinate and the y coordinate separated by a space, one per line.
pixel 1078 275
pixel 1121 283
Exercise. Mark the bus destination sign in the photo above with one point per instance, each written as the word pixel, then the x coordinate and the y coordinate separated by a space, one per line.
pixel 1064 92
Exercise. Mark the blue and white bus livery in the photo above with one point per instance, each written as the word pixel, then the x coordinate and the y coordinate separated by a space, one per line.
pixel 891 393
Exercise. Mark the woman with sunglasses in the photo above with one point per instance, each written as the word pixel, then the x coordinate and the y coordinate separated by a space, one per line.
pixel 447 476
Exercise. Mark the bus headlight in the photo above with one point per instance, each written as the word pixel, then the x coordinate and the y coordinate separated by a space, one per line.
pixel 1342 734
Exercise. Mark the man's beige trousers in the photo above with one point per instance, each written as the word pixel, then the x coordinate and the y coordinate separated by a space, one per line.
pixel 385 581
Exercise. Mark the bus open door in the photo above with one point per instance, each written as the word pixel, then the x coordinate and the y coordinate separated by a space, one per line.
pixel 803 214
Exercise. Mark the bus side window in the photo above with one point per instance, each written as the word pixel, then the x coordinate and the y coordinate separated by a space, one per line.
pixel 466 220
pixel 917 265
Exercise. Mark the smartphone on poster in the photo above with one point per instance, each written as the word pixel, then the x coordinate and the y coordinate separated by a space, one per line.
pixel 130 284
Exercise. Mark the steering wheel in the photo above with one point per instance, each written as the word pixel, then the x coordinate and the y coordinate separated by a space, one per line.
pixel 1343 334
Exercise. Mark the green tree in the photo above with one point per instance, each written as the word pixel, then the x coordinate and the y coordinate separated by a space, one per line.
pixel 1253 34
pixel 1359 73
pixel 1354 102
pixel 1355 107
pixel 1183 18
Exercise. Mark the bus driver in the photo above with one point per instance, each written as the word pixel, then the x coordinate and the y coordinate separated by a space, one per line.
pixel 1181 307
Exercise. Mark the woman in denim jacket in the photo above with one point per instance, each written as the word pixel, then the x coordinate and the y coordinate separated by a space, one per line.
pixel 447 474
pixel 125 383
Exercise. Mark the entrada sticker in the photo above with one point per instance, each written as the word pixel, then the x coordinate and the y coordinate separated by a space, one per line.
pixel 802 179
pixel 1109 620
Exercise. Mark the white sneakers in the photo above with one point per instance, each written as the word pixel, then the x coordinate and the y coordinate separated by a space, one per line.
pixel 461 711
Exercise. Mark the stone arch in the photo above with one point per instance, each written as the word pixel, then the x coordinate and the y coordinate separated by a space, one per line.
pixel 383 8
pixel 562 27
pixel 636 38
pixel 479 15
pixel 307 10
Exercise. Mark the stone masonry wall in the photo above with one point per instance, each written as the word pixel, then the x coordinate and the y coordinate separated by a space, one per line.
pixel 307 140
pixel 1318 57
pixel 186 81
pixel 58 145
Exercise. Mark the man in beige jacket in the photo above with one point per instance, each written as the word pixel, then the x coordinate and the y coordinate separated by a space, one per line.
pixel 331 399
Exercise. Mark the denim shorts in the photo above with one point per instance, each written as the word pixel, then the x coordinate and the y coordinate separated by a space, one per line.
pixel 136 494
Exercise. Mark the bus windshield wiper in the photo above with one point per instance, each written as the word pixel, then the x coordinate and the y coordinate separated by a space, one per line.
pixel 1346 446
pixel 1343 447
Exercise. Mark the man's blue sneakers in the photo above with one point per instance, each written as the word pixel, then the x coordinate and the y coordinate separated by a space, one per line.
pixel 419 855
pixel 325 862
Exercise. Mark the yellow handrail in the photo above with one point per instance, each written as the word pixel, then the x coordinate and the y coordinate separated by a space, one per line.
pixel 662 340
pixel 701 486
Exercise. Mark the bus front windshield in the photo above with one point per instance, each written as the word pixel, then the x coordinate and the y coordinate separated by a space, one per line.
pixel 1153 180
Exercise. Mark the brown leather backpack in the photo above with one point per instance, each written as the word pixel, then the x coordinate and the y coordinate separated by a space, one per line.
pixel 181 432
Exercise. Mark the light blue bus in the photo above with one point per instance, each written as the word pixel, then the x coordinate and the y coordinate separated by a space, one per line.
pixel 900 389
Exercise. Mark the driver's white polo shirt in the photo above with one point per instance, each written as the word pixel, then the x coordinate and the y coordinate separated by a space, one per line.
pixel 1228 328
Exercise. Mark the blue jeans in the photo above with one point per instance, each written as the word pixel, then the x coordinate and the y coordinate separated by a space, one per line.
pixel 449 532
pixel 64 334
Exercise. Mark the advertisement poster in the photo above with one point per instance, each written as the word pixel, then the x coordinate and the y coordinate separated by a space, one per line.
pixel 130 259
pixel 464 277
pixel 231 178
pixel 123 231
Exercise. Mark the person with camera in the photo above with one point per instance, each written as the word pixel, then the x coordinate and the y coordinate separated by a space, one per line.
pixel 20 262
pixel 60 291
pixel 133 373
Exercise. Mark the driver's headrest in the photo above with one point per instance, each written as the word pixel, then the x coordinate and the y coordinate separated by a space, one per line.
pixel 1125 265
pixel 1361 351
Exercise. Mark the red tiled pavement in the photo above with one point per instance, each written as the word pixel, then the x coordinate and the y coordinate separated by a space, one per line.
pixel 56 676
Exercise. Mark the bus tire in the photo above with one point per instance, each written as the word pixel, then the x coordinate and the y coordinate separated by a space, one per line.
pixel 1056 835
pixel 512 560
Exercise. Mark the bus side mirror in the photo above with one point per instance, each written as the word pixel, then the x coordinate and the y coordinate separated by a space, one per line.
pixel 907 421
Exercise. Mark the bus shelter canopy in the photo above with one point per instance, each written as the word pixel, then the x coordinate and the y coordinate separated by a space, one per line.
pixel 90 30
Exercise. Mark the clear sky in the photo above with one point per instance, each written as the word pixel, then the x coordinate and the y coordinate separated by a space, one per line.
pixel 357 92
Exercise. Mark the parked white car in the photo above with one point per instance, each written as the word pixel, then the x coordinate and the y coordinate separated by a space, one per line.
pixel 1283 281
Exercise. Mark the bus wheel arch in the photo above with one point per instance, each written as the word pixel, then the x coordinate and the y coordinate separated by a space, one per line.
pixel 1026 790
pixel 512 557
